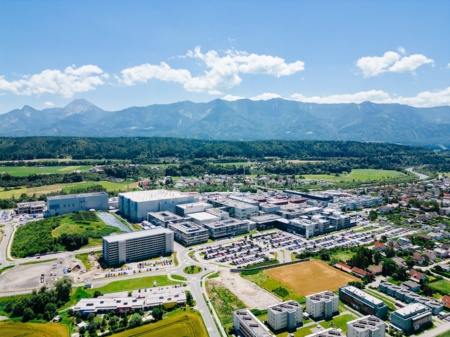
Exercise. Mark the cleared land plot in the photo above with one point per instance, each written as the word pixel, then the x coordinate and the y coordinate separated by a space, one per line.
pixel 441 286
pixel 223 300
pixel 12 329
pixel 184 324
pixel 310 277
pixel 23 171
pixel 358 175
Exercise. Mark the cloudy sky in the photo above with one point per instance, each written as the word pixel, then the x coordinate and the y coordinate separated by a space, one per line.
pixel 118 54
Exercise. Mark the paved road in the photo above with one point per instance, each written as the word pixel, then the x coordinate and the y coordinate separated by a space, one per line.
pixel 420 175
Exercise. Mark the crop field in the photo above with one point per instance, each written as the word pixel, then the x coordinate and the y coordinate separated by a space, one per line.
pixel 23 171
pixel 299 277
pixel 358 175
pixel 13 329
pixel 184 324
pixel 110 186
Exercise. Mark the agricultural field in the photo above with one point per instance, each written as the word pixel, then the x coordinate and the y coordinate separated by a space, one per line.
pixel 40 190
pixel 13 329
pixel 298 277
pixel 358 175
pixel 441 286
pixel 183 324
pixel 24 171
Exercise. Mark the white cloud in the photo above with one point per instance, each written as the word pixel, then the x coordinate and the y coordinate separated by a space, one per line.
pixel 222 72
pixel 49 104
pixel 391 62
pixel 448 66
pixel 265 96
pixel 423 99
pixel 55 82
pixel 232 98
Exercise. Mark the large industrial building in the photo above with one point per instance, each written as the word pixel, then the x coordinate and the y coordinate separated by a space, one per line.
pixel 286 315
pixel 363 302
pixel 368 326
pixel 322 305
pixel 411 318
pixel 136 205
pixel 63 204
pixel 227 228
pixel 136 246
pixel 247 325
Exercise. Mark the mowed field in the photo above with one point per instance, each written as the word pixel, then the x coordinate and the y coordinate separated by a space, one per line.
pixel 358 175
pixel 185 324
pixel 110 186
pixel 310 277
pixel 23 171
pixel 13 329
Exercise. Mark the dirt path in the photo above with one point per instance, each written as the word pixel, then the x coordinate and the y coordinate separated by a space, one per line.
pixel 252 295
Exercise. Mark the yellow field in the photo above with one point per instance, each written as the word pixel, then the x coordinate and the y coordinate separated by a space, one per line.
pixel 184 324
pixel 310 277
pixel 13 329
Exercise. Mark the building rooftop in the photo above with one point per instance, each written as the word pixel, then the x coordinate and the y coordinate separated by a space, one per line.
pixel 135 235
pixel 224 223
pixel 324 295
pixel 363 295
pixel 80 195
pixel 252 323
pixel 368 322
pixel 411 309
pixel 288 306
pixel 203 216
pixel 152 195
pixel 188 227
pixel 165 216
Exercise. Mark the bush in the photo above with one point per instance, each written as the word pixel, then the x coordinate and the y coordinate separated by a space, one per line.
pixel 280 291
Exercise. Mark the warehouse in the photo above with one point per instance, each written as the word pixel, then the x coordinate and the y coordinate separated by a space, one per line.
pixel 137 246
pixel 64 204
pixel 136 205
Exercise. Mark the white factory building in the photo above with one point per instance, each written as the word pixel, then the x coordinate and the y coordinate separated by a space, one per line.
pixel 136 205
pixel 64 204
pixel 137 246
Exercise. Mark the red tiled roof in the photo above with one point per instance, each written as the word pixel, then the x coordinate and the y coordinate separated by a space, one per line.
pixel 379 244
pixel 359 271
pixel 416 274
pixel 446 300
pixel 343 266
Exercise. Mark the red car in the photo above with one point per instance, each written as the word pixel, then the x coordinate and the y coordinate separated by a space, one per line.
pixel 38 257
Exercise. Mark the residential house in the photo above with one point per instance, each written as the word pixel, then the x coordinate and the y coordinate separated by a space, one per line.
pixel 379 246
pixel 418 258
pixel 417 276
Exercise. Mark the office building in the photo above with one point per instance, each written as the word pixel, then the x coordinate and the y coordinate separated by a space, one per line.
pixel 227 228
pixel 137 246
pixel 368 326
pixel 188 233
pixel 163 219
pixel 64 204
pixel 411 318
pixel 363 302
pixel 322 305
pixel 196 207
pixel 286 315
pixel 247 325
pixel 32 207
pixel 136 205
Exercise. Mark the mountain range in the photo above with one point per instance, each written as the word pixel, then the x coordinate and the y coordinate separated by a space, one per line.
pixel 238 120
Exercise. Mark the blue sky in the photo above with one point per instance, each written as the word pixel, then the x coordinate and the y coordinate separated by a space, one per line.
pixel 118 54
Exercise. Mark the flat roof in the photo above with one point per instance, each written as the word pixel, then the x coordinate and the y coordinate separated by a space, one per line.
pixel 203 216
pixel 252 323
pixel 79 195
pixel 364 295
pixel 410 309
pixel 287 306
pixel 225 223
pixel 153 195
pixel 195 204
pixel 135 235
pixel 188 227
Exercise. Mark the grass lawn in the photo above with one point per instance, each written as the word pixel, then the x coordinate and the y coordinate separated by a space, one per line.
pixel 179 278
pixel 193 270
pixel 343 255
pixel 441 286
pixel 358 175
pixel 270 284
pixel 14 328
pixel 5 268
pixel 390 303
pixel 391 280
pixel 23 171
pixel 36 262
pixel 339 322
pixel 445 334
pixel 84 259
pixel 224 301
pixel 184 324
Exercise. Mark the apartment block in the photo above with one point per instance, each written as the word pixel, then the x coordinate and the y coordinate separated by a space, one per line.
pixel 137 246
pixel 331 332
pixel 285 315
pixel 363 302
pixel 368 326
pixel 322 305
pixel 247 325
